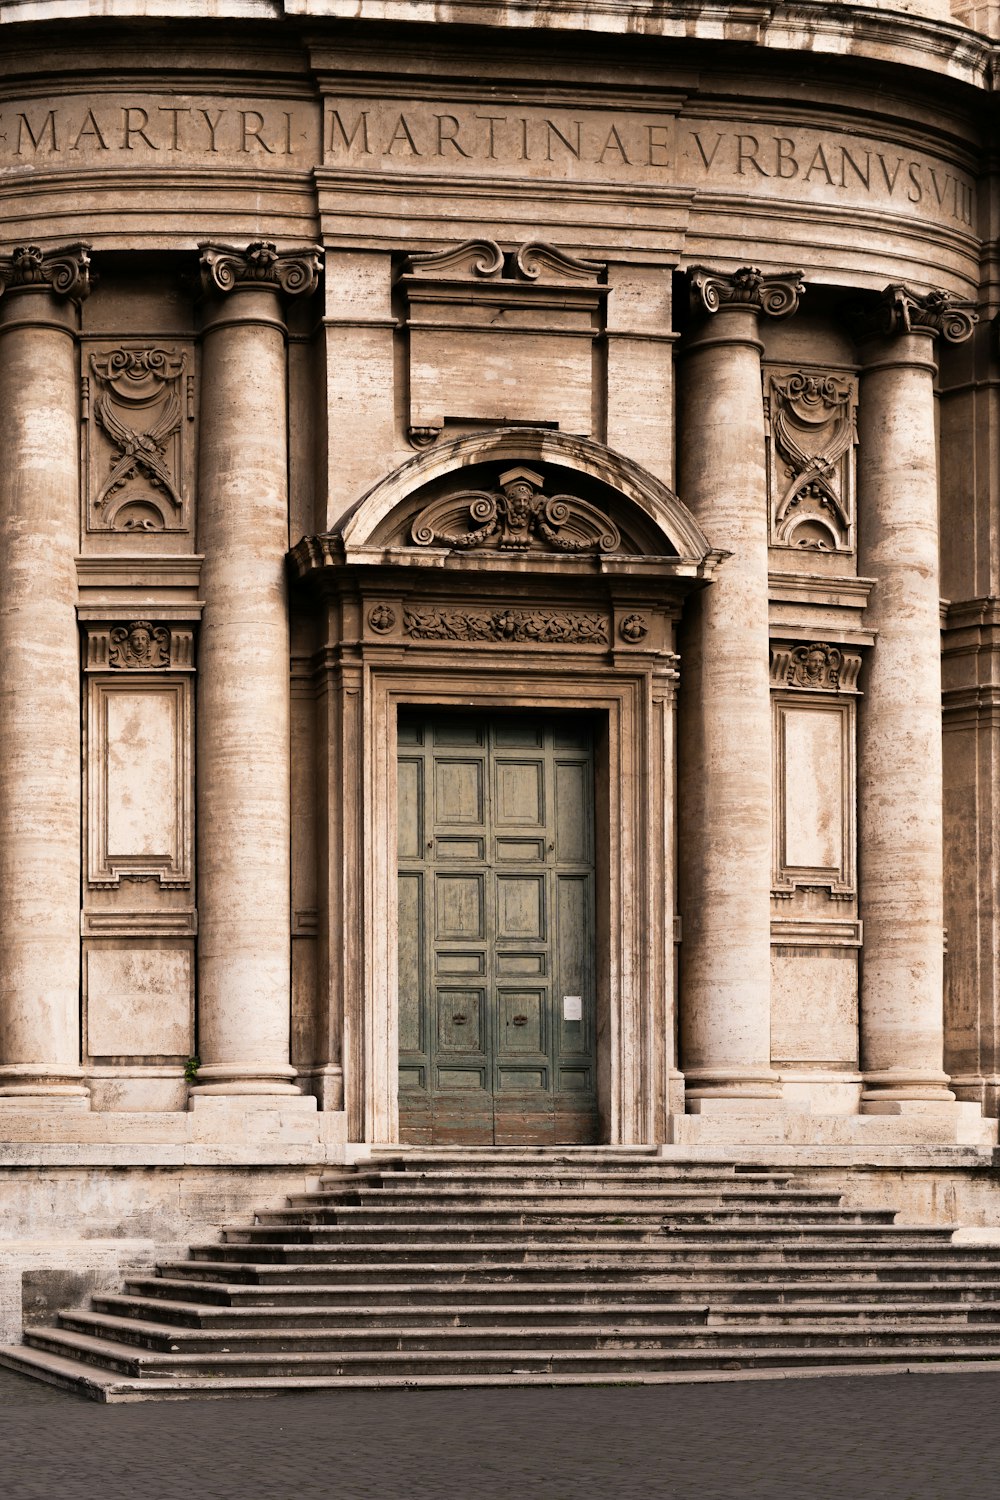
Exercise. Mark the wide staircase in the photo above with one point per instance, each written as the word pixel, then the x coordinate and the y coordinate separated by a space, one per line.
pixel 533 1266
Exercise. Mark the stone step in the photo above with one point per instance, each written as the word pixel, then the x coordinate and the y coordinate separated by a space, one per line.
pixel 587 1178
pixel 662 1331
pixel 360 1225
pixel 769 1265
pixel 185 1315
pixel 511 1359
pixel 563 1199
pixel 529 1243
pixel 570 1216
pixel 100 1385
pixel 217 1296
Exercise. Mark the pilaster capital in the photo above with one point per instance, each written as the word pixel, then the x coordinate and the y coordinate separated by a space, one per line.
pixel 899 310
pixel 776 294
pixel 260 267
pixel 65 272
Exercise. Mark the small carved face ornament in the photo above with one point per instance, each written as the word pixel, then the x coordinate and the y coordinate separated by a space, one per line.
pixel 139 640
pixel 519 496
pixel 815 665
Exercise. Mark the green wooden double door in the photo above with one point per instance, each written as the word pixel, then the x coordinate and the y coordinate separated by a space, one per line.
pixel 496 929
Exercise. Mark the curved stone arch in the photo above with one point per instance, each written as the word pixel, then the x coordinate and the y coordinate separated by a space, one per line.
pixel 656 503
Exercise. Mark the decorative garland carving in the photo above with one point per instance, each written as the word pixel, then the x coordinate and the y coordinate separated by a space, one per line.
pixel 776 294
pixel 811 472
pixel 140 412
pixel 816 667
pixel 226 268
pixel 66 271
pixel 542 626
pixel 139 646
pixel 515 518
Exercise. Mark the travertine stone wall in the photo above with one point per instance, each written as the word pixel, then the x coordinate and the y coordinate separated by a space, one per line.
pixel 507 272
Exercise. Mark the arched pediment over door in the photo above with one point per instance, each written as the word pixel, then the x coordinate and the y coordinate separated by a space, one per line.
pixel 515 575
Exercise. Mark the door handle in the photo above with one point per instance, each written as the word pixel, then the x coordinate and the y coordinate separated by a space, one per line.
pixel 520 1020
pixel 459 1020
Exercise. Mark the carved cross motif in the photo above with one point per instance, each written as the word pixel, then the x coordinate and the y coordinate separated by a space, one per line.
pixel 226 268
pixel 776 293
pixel 66 271
pixel 140 645
pixel 516 517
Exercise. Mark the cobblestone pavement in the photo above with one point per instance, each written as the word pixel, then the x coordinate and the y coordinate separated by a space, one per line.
pixel 904 1437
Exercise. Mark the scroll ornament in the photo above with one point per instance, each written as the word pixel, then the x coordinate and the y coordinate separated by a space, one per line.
pixel 815 666
pixel 776 294
pixel 515 518
pixel 226 268
pixel 66 271
pixel 904 311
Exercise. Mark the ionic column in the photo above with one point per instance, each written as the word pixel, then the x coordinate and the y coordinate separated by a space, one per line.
pixel 899 745
pixel 243 674
pixel 725 715
pixel 40 679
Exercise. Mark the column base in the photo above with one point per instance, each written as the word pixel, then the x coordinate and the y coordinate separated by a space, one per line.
pixel 231 1081
pixel 27 1086
pixel 732 1091
pixel 897 1089
pixel 326 1083
pixel 978 1088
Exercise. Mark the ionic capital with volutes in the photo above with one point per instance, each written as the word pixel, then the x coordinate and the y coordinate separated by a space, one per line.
pixel 776 294
pixel 65 272
pixel 900 310
pixel 260 267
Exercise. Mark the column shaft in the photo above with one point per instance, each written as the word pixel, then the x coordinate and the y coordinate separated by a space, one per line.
pixel 243 703
pixel 900 781
pixel 39 703
pixel 725 788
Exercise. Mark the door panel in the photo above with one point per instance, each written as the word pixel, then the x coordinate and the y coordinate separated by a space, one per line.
pixel 496 886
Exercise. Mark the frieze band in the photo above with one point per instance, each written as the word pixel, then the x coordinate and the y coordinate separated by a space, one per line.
pixel 540 626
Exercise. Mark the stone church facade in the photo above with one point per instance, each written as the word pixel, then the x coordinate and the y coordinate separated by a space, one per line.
pixel 498 596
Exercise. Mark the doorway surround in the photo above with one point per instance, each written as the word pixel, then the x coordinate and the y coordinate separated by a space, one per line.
pixel 517 569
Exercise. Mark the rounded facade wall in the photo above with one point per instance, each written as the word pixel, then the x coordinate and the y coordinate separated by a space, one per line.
pixel 398 236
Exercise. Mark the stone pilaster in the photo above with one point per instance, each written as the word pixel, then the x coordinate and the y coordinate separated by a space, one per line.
pixel 725 751
pixel 243 680
pixel 40 679
pixel 899 747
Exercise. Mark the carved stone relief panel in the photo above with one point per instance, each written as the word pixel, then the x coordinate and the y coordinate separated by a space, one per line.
pixel 139 763
pixel 813 706
pixel 138 405
pixel 812 438
pixel 516 517
pixel 498 337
